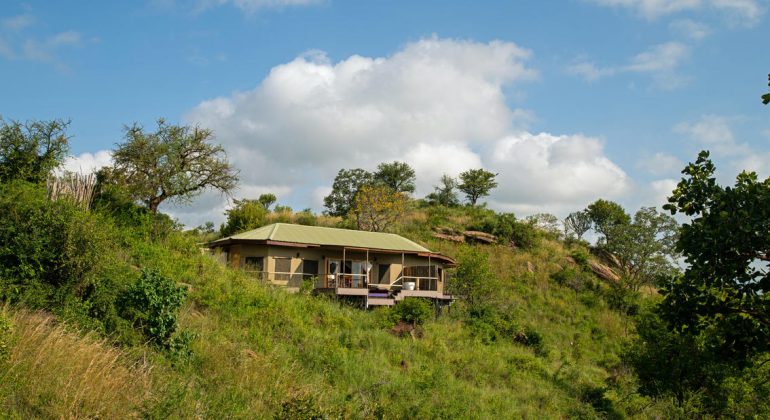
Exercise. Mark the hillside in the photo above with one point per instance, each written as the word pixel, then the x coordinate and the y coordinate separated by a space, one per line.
pixel 553 349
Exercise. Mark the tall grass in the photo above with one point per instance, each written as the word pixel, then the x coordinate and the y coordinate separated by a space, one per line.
pixel 54 372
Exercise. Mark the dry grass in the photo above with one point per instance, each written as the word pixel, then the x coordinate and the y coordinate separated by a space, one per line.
pixel 53 372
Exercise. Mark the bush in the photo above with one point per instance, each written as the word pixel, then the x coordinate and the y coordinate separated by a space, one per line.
pixel 48 250
pixel 412 310
pixel 152 304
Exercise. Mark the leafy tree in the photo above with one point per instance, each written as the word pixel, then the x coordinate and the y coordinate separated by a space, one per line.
pixel 644 249
pixel 267 200
pixel 726 285
pixel 476 183
pixel 29 152
pixel 444 194
pixel 546 222
pixel 244 215
pixel 398 176
pixel 577 223
pixel 473 280
pixel 175 162
pixel 377 207
pixel 346 185
pixel 766 96
pixel 605 215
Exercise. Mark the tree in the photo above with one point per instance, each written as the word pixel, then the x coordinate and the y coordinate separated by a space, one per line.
pixel 577 223
pixel 545 222
pixel 398 176
pixel 444 194
pixel 346 185
pixel 473 282
pixel 267 200
pixel 605 215
pixel 245 215
pixel 175 162
pixel 30 151
pixel 376 207
pixel 476 183
pixel 726 285
pixel 644 249
pixel 766 96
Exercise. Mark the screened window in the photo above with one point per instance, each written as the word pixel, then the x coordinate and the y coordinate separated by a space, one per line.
pixel 254 264
pixel 309 268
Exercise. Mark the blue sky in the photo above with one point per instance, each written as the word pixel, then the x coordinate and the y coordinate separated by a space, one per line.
pixel 568 101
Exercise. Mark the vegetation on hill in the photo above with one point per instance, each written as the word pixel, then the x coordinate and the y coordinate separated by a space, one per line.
pixel 114 311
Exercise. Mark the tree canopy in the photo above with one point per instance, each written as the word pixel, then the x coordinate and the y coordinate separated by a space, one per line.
pixel 577 223
pixel 30 151
pixel 444 193
pixel 476 183
pixel 605 215
pixel 244 215
pixel 766 96
pixel 343 195
pixel 726 286
pixel 175 162
pixel 398 176
pixel 376 207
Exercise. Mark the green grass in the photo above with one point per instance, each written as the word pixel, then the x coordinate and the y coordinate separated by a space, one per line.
pixel 262 352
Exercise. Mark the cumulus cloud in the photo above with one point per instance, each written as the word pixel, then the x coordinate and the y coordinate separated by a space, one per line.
pixel 544 172
pixel 88 162
pixel 660 61
pixel 438 104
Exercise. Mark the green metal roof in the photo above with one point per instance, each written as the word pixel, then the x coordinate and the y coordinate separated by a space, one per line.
pixel 315 235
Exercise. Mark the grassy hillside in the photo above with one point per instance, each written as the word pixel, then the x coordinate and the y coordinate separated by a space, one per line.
pixel 250 350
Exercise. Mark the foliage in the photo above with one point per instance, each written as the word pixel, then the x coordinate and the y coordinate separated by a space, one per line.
pixel 473 282
pixel 766 96
pixel 398 176
pixel 29 152
pixel 444 194
pixel 726 285
pixel 45 246
pixel 377 207
pixel 344 190
pixel 244 215
pixel 476 183
pixel 605 215
pixel 267 200
pixel 152 305
pixel 306 217
pixel 644 249
pixel 546 222
pixel 412 310
pixel 175 162
pixel 577 223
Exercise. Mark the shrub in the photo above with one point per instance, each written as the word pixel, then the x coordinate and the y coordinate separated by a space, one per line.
pixel 152 304
pixel 412 310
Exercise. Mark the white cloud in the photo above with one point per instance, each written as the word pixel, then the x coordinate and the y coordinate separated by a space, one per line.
pixel 87 162
pixel 690 29
pixel 542 171
pixel 652 8
pixel 438 104
pixel 16 45
pixel 745 12
pixel 659 61
pixel 715 133
pixel 17 23
pixel 660 164
pixel 247 6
